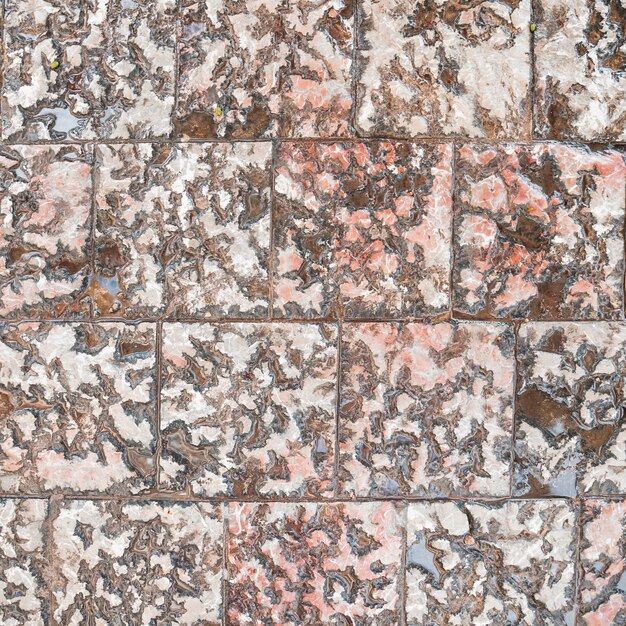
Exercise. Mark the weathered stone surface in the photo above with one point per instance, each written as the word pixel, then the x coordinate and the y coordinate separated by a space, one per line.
pixel 444 67
pixel 88 70
pixel 78 404
pixel 580 61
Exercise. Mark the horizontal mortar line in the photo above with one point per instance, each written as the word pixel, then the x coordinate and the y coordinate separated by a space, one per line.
pixel 162 496
pixel 604 143
pixel 445 317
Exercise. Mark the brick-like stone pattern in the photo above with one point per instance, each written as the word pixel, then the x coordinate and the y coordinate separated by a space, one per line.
pixel 312 313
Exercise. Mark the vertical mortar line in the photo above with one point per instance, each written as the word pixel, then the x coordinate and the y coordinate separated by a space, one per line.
pixel 516 328
pixel 177 29
pixel 452 228
pixel 531 82
pixel 93 219
pixel 48 556
pixel 353 69
pixel 404 547
pixel 337 408
pixel 270 263
pixel 157 417
pixel 623 285
pixel 578 503
pixel 225 513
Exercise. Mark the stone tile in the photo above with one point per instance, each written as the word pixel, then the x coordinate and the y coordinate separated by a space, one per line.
pixel 426 409
pixel 362 229
pixel 77 403
pixel 265 68
pixel 571 427
pixel 137 563
pixel 539 232
pixel 602 585
pixel 183 230
pixel 249 409
pixel 88 70
pixel 45 207
pixel 580 68
pixel 444 68
pixel 23 595
pixel 505 563
pixel 313 564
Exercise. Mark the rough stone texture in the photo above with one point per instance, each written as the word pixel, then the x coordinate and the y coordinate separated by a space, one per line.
pixel 571 426
pixel 23 599
pixel 426 409
pixel 249 408
pixel 505 563
pixel 87 70
pixel 264 68
pixel 580 52
pixel 539 232
pixel 45 205
pixel 362 229
pixel 312 313
pixel 603 563
pixel 136 563
pixel 294 564
pixel 444 67
pixel 183 230
pixel 77 407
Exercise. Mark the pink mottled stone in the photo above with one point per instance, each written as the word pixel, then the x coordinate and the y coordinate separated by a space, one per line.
pixel 362 229
pixel 539 232
pixel 426 409
pixel 290 564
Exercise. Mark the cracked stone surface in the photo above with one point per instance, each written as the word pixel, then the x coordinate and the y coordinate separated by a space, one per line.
pixel 23 600
pixel 88 70
pixel 77 403
pixel 249 408
pixel 603 563
pixel 45 208
pixel 182 229
pixel 426 409
pixel 504 563
pixel 362 229
pixel 312 313
pixel 444 67
pixel 265 68
pixel 571 429
pixel 580 68
pixel 136 562
pixel 315 564
pixel 539 232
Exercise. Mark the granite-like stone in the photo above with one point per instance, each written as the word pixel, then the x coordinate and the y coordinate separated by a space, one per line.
pixel 77 408
pixel 426 409
pixel 136 563
pixel 571 427
pixel 182 230
pixel 260 68
pixel 249 409
pixel 88 70
pixel 23 594
pixel 444 67
pixel 292 564
pixel 500 563
pixel 45 208
pixel 362 229
pixel 539 232
pixel 602 592
pixel 580 68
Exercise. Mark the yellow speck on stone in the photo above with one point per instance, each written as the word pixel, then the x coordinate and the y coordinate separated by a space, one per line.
pixel 54 65
pixel 533 28
pixel 218 111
